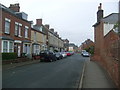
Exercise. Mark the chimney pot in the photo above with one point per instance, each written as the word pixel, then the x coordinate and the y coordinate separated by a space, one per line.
pixel 99 13
pixel 100 7
pixel 47 26
pixel 52 29
pixel 39 22
pixel 15 7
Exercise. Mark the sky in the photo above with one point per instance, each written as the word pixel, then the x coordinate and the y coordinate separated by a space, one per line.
pixel 72 19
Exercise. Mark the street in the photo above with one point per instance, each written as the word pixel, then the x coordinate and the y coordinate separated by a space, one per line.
pixel 64 73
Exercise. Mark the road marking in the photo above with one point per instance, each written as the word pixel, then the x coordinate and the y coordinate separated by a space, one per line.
pixel 82 76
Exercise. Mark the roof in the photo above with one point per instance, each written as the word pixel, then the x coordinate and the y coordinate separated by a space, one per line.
pixel 111 18
pixel 6 38
pixel 37 28
pixel 26 41
pixel 6 9
pixel 72 44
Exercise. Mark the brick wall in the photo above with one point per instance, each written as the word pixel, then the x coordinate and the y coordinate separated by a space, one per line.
pixel 106 52
pixel 111 55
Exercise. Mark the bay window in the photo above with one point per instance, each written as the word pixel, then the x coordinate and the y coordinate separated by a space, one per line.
pixel 7 46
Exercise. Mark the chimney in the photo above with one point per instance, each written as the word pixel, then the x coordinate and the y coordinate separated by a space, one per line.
pixel 52 29
pixel 15 7
pixel 56 33
pixel 47 26
pixel 39 22
pixel 99 13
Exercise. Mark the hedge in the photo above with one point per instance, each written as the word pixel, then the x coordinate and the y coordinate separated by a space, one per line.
pixel 9 56
pixel 90 50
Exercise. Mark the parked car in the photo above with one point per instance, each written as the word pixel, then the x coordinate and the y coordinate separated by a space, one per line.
pixel 85 54
pixel 71 52
pixel 68 53
pixel 58 55
pixel 64 54
pixel 46 55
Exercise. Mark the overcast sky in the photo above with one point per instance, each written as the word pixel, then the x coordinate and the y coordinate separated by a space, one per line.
pixel 72 19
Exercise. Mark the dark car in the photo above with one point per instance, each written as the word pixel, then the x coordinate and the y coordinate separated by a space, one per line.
pixel 58 55
pixel 47 55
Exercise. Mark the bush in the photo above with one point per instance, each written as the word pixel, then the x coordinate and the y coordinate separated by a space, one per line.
pixel 9 56
pixel 90 50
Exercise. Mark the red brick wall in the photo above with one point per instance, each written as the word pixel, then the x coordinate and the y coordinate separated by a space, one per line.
pixel 12 27
pixel 98 40
pixel 111 55
pixel 106 52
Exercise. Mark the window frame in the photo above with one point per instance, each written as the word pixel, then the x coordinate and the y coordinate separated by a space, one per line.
pixel 11 48
pixel 7 28
pixel 8 46
pixel 20 29
pixel 16 28
pixel 26 31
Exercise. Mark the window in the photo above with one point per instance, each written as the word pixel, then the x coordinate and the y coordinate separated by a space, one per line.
pixel 7 26
pixel 26 48
pixel 41 28
pixel 35 37
pixel 5 46
pixel 11 47
pixel 20 27
pixel 36 49
pixel 16 28
pixel 26 32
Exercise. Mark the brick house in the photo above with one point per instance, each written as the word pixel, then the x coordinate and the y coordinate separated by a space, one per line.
pixel 16 32
pixel 87 44
pixel 38 37
pixel 72 47
pixel 54 41
pixel 66 44
pixel 106 43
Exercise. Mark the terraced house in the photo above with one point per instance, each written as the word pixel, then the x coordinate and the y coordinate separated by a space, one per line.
pixel 38 37
pixel 55 43
pixel 16 32
pixel 21 37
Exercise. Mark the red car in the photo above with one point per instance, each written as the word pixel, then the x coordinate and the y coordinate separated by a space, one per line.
pixel 68 54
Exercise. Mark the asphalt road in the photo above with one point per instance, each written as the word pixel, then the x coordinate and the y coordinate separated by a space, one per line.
pixel 63 73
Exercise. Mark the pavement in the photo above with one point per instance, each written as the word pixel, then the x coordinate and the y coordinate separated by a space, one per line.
pixel 93 75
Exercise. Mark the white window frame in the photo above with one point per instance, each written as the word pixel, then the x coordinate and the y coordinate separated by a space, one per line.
pixel 3 46
pixel 26 31
pixel 11 48
pixel 8 45
pixel 27 49
pixel 36 49
pixel 16 28
pixel 7 28
pixel 20 29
